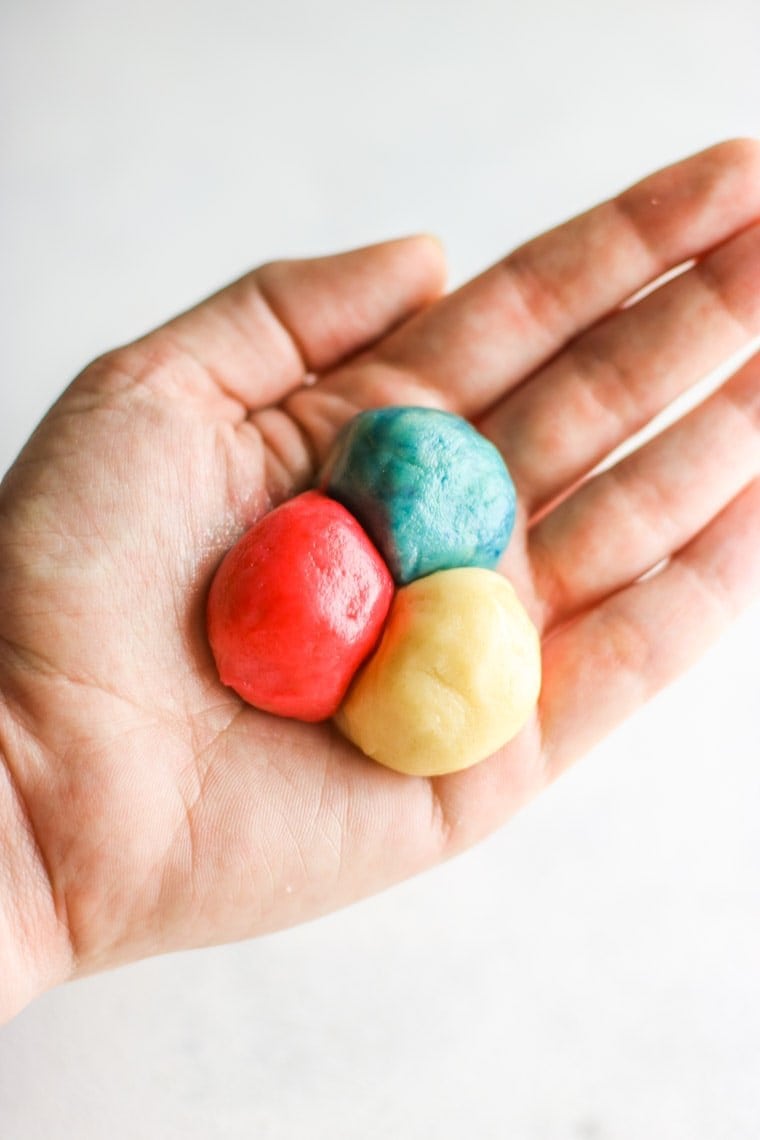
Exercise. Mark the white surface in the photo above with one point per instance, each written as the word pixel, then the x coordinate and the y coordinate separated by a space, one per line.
pixel 593 971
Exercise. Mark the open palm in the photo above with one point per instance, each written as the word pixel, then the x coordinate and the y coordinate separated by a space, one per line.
pixel 153 809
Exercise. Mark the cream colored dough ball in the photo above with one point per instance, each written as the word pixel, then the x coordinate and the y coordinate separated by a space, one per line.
pixel 455 676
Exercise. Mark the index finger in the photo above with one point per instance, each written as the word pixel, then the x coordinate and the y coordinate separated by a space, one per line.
pixel 474 345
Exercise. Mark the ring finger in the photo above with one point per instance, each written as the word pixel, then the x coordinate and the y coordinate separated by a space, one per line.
pixel 624 521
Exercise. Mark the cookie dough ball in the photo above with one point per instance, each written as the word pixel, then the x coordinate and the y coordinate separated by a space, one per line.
pixel 430 491
pixel 296 606
pixel 455 676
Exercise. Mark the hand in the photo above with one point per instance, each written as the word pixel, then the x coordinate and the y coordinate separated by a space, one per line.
pixel 143 807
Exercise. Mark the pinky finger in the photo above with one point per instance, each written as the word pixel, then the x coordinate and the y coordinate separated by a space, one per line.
pixel 599 669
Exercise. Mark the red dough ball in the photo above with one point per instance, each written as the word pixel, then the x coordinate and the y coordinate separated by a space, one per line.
pixel 296 606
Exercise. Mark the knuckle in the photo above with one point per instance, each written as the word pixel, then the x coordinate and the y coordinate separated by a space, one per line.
pixel 139 364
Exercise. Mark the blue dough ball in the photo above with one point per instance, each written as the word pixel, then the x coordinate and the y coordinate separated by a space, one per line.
pixel 431 492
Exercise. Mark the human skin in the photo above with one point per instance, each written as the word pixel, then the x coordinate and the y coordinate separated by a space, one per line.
pixel 143 807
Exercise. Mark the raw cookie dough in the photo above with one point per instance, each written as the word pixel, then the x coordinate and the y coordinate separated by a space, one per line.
pixel 430 491
pixel 296 606
pixel 455 676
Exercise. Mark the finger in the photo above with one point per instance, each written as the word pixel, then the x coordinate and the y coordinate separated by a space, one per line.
pixel 612 380
pixel 259 337
pixel 599 669
pixel 626 520
pixel 470 348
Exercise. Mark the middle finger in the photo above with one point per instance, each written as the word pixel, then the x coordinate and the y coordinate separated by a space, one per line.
pixel 612 380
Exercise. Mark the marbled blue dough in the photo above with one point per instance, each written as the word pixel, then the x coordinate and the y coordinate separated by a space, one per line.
pixel 430 491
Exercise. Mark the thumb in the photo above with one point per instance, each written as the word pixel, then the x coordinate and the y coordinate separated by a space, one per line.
pixel 261 335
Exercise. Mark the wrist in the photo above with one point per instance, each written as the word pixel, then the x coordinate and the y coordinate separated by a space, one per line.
pixel 35 948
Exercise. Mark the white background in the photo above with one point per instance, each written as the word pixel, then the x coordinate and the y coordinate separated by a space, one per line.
pixel 593 971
